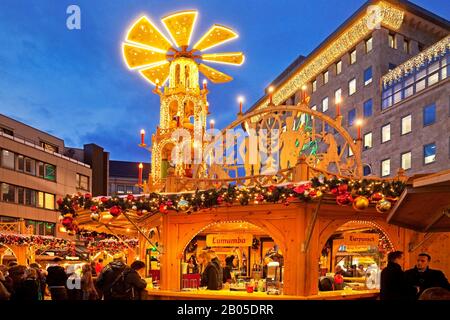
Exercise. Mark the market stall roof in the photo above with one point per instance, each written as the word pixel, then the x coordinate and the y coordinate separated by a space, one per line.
pixel 424 205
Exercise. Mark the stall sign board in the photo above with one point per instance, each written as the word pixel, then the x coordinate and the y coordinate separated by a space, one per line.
pixel 358 240
pixel 229 240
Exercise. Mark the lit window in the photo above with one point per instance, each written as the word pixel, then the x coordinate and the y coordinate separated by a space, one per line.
pixel 368 140
pixel 8 193
pixel 120 189
pixel 367 76
pixel 351 86
pixel 7 159
pixel 325 104
pixel 386 133
pixel 50 173
pixel 314 86
pixel 49 201
pixel 325 77
pixel 406 160
pixel 429 153
pixel 367 108
pixel 392 43
pixel 406 124
pixel 351 117
pixel 369 45
pixel 338 67
pixel 385 167
pixel 40 202
pixel 338 95
pixel 406 46
pixel 353 57
pixel 429 114
pixel 49 147
pixel 82 182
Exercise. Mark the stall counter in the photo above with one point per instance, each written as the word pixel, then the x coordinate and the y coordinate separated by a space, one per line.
pixel 155 294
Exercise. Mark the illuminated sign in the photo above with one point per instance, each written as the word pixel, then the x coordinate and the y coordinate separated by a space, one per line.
pixel 361 239
pixel 229 240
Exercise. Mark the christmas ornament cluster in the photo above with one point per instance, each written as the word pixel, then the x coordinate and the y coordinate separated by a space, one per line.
pixel 358 193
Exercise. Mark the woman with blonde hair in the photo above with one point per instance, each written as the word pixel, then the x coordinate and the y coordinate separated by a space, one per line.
pixel 210 274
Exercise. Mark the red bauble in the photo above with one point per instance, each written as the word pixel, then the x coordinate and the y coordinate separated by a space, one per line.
pixel 88 196
pixel 104 199
pixel 259 197
pixel 169 203
pixel 286 203
pixel 67 222
pixel 130 197
pixel 219 199
pixel 344 199
pixel 60 201
pixel 312 193
pixel 301 189
pixel 115 211
pixel 342 188
pixel 334 191
pixel 163 208
pixel 376 196
pixel 94 208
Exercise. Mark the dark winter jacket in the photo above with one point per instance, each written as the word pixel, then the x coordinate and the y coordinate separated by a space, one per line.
pixel 133 282
pixel 210 277
pixel 394 285
pixel 427 279
pixel 218 265
pixel 56 276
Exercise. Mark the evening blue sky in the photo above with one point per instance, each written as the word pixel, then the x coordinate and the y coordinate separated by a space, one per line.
pixel 74 84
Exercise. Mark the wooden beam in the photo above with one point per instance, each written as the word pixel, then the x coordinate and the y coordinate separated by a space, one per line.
pixel 311 225
pixel 140 231
pixel 413 247
pixel 435 220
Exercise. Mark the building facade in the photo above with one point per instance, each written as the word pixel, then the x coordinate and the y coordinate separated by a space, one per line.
pixel 403 125
pixel 123 177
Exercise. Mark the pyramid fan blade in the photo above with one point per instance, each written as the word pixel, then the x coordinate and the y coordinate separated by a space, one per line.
pixel 215 36
pixel 144 32
pixel 156 73
pixel 214 75
pixel 180 26
pixel 235 58
pixel 137 57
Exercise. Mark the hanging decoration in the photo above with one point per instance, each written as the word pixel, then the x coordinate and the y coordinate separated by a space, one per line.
pixel 38 241
pixel 344 192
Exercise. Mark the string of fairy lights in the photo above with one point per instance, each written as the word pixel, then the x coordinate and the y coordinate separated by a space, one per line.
pixel 360 194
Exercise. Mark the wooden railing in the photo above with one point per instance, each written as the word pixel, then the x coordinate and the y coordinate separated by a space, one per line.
pixel 17 227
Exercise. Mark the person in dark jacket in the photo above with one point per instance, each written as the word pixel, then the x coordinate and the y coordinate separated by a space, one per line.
pixel 393 282
pixel 57 280
pixel 135 279
pixel 117 281
pixel 41 275
pixel 30 287
pixel 7 282
pixel 210 274
pixel 17 274
pixel 423 277
pixel 227 277
pixel 216 262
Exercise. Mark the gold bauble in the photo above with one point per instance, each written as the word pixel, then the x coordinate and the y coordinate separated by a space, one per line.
pixel 383 206
pixel 360 203
pixel 183 206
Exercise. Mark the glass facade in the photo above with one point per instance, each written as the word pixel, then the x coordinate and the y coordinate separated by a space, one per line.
pixel 18 162
pixel 367 108
pixel 429 115
pixel 429 153
pixel 429 74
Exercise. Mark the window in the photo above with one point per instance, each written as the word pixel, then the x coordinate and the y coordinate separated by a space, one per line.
pixel 392 66
pixel 351 117
pixel 40 169
pixel 406 160
pixel 369 45
pixel 8 193
pixel 46 200
pixel 82 182
pixel 7 159
pixel 30 166
pixel 325 104
pixel 385 133
pixel 391 39
pixel 406 124
pixel 385 167
pixel 129 189
pixel 406 46
pixel 40 202
pixel 20 163
pixel 429 115
pixel 367 108
pixel 30 197
pixel 325 77
pixel 367 170
pixel 353 56
pixel 339 67
pixel 429 153
pixel 20 195
pixel 368 141
pixel 7 131
pixel 49 147
pixel 338 95
pixel 120 189
pixel 367 76
pixel 351 86
pixel 314 86
pixel 50 173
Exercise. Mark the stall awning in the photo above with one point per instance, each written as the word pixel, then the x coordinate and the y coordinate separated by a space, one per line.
pixel 424 205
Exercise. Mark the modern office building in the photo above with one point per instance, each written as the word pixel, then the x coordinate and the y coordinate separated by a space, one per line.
pixel 393 75
pixel 35 171
pixel 123 177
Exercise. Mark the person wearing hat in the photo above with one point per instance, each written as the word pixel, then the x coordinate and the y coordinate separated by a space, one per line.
pixel 229 265
pixel 57 280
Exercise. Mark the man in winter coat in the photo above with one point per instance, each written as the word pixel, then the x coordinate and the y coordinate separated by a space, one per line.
pixel 393 281
pixel 423 277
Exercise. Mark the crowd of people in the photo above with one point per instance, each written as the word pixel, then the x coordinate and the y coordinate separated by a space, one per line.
pixel 93 281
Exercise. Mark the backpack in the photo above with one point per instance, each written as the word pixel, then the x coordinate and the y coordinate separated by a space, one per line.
pixel 120 289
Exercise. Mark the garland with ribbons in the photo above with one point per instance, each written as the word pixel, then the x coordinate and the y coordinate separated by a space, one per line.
pixel 358 193
pixel 40 242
